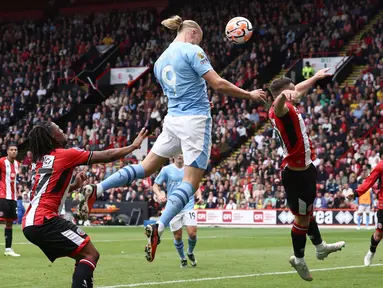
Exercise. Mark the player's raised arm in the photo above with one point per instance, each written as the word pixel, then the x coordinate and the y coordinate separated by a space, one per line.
pixel 370 180
pixel 118 153
pixel 223 86
pixel 304 86
pixel 280 107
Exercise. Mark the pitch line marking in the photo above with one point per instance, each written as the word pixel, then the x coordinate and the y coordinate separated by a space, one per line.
pixel 234 277
pixel 124 240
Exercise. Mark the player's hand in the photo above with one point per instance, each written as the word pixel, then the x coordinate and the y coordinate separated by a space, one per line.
pixel 323 73
pixel 258 95
pixel 211 104
pixel 199 201
pixel 350 195
pixel 141 136
pixel 162 197
pixel 290 95
pixel 79 180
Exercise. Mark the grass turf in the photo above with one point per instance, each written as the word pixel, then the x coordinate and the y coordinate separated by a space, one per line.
pixel 220 253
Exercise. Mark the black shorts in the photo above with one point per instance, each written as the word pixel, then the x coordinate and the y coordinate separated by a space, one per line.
pixel 8 209
pixel 57 238
pixel 300 187
pixel 379 224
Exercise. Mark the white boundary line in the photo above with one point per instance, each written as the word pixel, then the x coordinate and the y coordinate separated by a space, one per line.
pixel 234 277
pixel 127 240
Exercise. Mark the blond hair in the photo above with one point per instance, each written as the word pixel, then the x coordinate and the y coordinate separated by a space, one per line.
pixel 176 23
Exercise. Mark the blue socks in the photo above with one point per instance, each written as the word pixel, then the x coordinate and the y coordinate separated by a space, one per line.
pixel 123 177
pixel 192 244
pixel 367 220
pixel 180 248
pixel 176 202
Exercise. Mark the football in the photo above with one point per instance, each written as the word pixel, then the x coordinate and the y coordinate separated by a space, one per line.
pixel 239 30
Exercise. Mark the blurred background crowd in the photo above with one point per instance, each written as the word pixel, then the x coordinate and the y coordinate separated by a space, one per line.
pixel 39 61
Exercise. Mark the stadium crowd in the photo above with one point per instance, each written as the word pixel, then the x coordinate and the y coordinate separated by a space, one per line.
pixel 34 56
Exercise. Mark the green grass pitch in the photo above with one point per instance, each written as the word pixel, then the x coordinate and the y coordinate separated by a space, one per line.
pixel 226 258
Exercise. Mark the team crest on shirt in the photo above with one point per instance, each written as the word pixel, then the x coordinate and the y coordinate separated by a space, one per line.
pixel 380 226
pixel 1 213
pixel 200 55
pixel 80 232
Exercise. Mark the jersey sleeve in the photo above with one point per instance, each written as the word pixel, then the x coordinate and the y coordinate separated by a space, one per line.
pixel 161 177
pixel 370 180
pixel 76 157
pixel 198 60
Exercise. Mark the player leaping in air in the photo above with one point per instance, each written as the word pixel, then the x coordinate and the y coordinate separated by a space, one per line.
pixel 54 171
pixel 172 176
pixel 182 70
pixel 376 173
pixel 299 175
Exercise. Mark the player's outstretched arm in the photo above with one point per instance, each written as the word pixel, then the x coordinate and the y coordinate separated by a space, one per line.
pixel 223 86
pixel 280 107
pixel 368 182
pixel 304 86
pixel 118 153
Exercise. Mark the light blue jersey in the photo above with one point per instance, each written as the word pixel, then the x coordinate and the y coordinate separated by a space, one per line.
pixel 179 70
pixel 172 176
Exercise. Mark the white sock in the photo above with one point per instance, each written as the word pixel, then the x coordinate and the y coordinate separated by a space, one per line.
pixel 100 190
pixel 320 246
pixel 8 249
pixel 161 228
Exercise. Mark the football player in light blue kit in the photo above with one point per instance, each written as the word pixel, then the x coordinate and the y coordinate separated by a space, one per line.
pixel 172 176
pixel 182 70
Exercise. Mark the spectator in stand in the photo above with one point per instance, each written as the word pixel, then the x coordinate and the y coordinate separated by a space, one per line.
pixel 320 202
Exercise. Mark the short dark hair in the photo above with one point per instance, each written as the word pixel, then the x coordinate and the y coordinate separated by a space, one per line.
pixel 11 145
pixel 278 85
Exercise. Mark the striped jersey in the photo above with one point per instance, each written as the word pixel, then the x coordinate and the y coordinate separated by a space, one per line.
pixel 52 178
pixel 375 175
pixel 291 129
pixel 8 175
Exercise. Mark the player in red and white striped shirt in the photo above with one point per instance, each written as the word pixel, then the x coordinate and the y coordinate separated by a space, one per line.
pixel 9 168
pixel 53 180
pixel 299 175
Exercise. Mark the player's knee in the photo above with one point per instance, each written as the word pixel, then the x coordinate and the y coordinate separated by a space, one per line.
pixel 177 236
pixel 90 252
pixel 193 235
pixel 94 255
pixel 378 235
